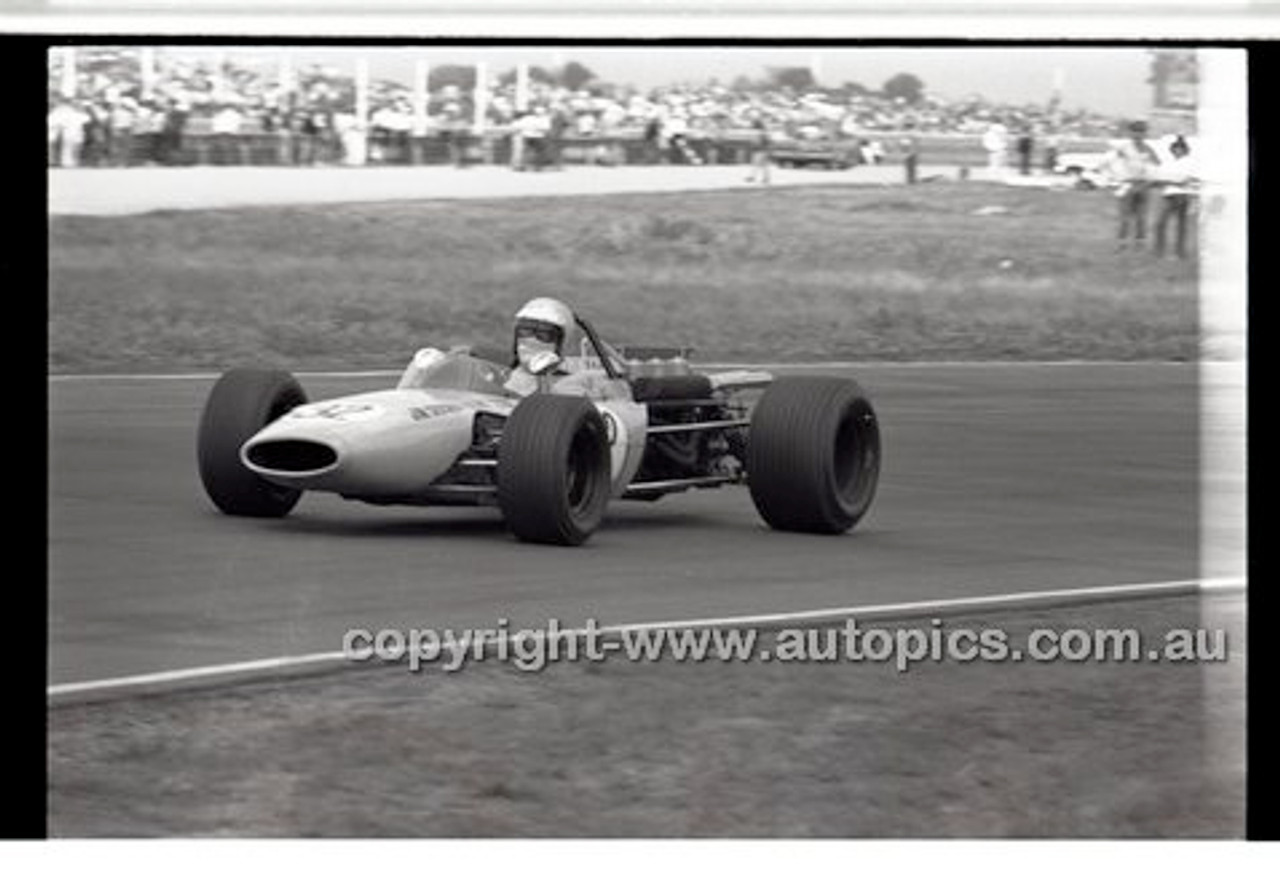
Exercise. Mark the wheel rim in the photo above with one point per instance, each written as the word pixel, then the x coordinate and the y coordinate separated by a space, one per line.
pixel 854 456
pixel 581 472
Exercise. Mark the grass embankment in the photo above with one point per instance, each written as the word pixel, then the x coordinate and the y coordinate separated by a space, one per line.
pixel 850 272
pixel 666 749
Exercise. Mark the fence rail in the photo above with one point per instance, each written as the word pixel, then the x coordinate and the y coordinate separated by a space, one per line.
pixel 464 148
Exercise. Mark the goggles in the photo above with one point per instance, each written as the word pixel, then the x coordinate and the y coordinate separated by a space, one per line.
pixel 544 332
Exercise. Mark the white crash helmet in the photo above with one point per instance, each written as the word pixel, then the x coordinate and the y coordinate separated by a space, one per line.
pixel 547 315
pixel 547 309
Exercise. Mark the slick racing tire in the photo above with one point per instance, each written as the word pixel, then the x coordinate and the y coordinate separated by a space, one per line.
pixel 553 469
pixel 813 459
pixel 243 402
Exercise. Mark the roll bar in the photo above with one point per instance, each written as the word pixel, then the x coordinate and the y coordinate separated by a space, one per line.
pixel 598 346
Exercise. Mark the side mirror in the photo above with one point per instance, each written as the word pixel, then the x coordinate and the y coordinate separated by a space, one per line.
pixel 544 362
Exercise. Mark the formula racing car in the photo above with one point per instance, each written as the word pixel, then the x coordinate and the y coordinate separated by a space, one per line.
pixel 629 423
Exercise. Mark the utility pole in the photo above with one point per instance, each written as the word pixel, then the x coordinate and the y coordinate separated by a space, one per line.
pixel 481 99
pixel 68 72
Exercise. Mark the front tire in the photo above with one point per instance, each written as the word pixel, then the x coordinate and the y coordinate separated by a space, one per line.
pixel 243 402
pixel 553 469
pixel 813 459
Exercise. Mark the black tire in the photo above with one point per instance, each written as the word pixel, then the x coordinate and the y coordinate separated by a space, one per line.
pixel 813 459
pixel 553 469
pixel 243 402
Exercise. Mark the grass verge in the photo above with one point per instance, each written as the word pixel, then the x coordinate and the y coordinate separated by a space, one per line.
pixel 665 749
pixel 935 271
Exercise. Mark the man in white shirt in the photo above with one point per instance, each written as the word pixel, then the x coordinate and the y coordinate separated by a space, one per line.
pixel 66 133
pixel 996 142
pixel 536 127
pixel 1133 164
pixel 225 127
pixel 1178 184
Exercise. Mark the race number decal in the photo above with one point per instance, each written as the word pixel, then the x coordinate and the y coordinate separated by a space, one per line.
pixel 426 413
pixel 336 411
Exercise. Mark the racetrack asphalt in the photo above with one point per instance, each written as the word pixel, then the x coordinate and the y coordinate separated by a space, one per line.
pixel 995 479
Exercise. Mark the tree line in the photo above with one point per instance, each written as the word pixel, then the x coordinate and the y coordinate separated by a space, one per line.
pixel 576 76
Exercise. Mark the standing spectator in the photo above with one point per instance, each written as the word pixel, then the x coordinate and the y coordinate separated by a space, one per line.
pixel 420 127
pixel 521 133
pixel 305 128
pixel 274 126
pixel 225 128
pixel 557 126
pixel 122 120
pixel 911 158
pixel 353 140
pixel 586 124
pixel 996 142
pixel 284 134
pixel 760 152
pixel 67 124
pixel 97 137
pixel 175 125
pixel 849 127
pixel 1178 177
pixel 455 134
pixel 400 127
pixel 1133 164
pixel 328 147
pixel 676 129
pixel 379 148
pixel 537 125
pixel 653 140
pixel 147 129
pixel 1052 147
pixel 292 125
pixel 1026 145
pixel 54 125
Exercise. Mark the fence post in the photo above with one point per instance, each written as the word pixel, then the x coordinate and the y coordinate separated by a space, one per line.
pixel 421 99
pixel 68 72
pixel 147 66
pixel 481 97
pixel 358 143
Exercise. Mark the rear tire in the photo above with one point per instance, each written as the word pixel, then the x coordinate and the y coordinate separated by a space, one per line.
pixel 553 469
pixel 813 459
pixel 243 402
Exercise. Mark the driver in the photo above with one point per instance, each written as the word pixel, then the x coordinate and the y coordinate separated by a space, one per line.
pixel 541 327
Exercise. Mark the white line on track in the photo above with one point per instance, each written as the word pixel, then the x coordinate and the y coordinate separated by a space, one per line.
pixel 156 682
pixel 833 364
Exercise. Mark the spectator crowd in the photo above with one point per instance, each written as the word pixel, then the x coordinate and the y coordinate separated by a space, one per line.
pixel 195 111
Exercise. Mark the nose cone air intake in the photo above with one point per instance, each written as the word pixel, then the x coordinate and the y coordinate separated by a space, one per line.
pixel 291 456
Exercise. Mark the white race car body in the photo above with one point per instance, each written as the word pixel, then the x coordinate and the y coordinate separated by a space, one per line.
pixel 550 451
pixel 401 444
